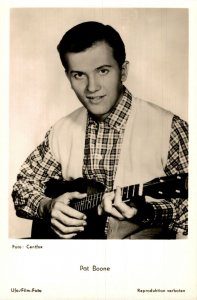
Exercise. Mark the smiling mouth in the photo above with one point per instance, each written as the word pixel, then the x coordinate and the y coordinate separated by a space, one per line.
pixel 95 99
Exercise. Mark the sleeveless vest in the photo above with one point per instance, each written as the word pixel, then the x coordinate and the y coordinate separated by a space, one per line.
pixel 143 154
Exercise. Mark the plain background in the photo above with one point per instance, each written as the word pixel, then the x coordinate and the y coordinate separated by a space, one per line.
pixel 156 42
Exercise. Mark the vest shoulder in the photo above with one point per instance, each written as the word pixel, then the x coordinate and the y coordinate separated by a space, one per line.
pixel 74 118
pixel 151 108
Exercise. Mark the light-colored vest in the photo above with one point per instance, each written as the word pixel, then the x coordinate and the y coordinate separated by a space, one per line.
pixel 143 153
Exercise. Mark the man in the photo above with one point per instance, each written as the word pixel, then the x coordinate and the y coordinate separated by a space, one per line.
pixel 115 139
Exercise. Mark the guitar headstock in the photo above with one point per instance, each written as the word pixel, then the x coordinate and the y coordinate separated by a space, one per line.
pixel 174 186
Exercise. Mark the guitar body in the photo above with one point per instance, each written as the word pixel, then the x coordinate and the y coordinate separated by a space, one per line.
pixel 167 187
pixel 41 229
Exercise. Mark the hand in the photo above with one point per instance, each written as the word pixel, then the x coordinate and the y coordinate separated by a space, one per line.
pixel 66 222
pixel 180 236
pixel 112 204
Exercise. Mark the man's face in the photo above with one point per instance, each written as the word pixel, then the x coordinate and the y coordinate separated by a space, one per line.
pixel 96 78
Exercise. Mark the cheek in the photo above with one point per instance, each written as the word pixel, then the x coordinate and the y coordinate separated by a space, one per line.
pixel 114 88
pixel 79 91
pixel 74 85
pixel 77 86
pixel 113 81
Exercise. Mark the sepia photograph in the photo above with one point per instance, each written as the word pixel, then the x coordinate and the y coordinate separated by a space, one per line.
pixel 127 70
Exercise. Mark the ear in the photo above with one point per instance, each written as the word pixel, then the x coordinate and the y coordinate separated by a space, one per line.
pixel 124 71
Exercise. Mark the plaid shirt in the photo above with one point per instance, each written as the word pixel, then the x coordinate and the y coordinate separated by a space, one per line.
pixel 103 143
pixel 101 156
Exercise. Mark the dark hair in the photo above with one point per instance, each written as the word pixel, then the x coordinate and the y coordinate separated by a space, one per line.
pixel 84 35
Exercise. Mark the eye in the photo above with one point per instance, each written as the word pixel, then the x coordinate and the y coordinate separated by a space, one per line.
pixel 103 72
pixel 78 75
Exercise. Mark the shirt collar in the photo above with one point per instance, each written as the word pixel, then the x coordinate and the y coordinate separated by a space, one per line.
pixel 119 114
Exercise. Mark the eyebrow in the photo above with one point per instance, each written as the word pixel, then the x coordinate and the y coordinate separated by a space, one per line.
pixel 73 71
pixel 98 68
pixel 103 66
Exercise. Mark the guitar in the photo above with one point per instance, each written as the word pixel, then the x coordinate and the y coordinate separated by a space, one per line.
pixel 166 187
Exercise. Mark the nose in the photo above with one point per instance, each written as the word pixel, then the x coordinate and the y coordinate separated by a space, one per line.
pixel 93 84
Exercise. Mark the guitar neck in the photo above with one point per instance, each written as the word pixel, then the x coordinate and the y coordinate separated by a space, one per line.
pixel 166 187
pixel 88 202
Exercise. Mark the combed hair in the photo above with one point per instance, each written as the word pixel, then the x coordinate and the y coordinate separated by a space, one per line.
pixel 85 35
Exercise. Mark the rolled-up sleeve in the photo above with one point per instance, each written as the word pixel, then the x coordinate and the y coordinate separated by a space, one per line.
pixel 29 188
pixel 177 163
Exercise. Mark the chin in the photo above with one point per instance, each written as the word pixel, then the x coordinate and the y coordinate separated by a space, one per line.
pixel 100 116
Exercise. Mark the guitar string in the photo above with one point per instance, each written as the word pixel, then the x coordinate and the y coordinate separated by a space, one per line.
pixel 83 204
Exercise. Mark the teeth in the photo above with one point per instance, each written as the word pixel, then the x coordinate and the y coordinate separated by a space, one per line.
pixel 94 98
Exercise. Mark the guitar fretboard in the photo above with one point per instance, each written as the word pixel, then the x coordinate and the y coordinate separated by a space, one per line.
pixel 94 200
pixel 173 186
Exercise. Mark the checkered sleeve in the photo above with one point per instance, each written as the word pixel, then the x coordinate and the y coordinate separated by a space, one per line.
pixel 175 211
pixel 178 163
pixel 29 188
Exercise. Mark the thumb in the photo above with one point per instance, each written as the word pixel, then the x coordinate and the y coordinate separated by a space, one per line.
pixel 100 210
